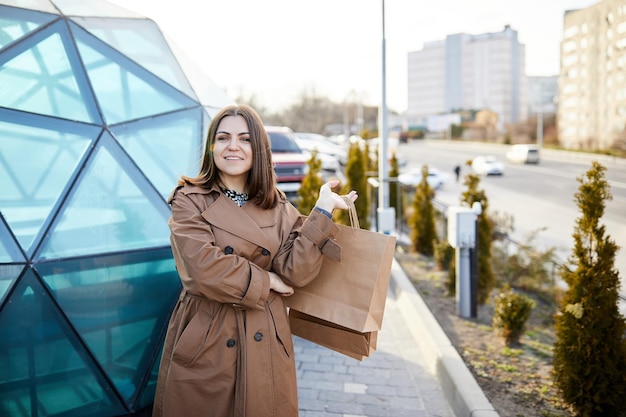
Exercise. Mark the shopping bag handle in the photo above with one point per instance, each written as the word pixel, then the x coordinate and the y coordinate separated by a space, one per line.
pixel 354 217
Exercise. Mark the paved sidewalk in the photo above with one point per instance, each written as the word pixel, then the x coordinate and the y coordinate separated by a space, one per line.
pixel 393 382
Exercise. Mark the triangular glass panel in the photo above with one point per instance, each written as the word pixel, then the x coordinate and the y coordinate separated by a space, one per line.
pixel 207 91
pixel 119 305
pixel 147 394
pixel 8 275
pixel 44 364
pixel 164 147
pixel 125 90
pixel 42 75
pixel 111 208
pixel 36 164
pixel 15 23
pixel 9 249
pixel 41 5
pixel 142 41
pixel 93 8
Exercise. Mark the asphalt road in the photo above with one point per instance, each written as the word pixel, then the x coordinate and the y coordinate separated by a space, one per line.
pixel 539 198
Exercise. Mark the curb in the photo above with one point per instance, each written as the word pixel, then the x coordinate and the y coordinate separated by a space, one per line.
pixel 464 395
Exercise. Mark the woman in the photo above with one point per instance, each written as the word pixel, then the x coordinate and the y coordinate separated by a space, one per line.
pixel 240 248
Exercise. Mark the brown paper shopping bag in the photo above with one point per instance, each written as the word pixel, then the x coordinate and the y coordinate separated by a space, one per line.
pixel 349 342
pixel 351 293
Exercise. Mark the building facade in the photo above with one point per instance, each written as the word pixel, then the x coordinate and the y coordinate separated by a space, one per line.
pixel 469 72
pixel 592 80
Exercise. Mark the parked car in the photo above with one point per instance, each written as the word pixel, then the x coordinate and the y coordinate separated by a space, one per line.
pixel 487 165
pixel 523 154
pixel 311 141
pixel 290 161
pixel 332 156
pixel 411 178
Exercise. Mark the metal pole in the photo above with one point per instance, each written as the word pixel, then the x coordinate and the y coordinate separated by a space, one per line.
pixel 386 215
pixel 383 189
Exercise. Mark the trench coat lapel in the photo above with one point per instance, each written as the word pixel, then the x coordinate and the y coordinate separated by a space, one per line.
pixel 246 222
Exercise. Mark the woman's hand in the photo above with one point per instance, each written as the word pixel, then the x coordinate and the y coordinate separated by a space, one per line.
pixel 329 200
pixel 277 284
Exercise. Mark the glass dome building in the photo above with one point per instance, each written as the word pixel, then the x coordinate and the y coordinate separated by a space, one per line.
pixel 100 114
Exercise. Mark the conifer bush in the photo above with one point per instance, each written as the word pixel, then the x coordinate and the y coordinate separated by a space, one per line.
pixel 395 192
pixel 356 179
pixel 590 348
pixel 511 312
pixel 444 254
pixel 422 221
pixel 311 183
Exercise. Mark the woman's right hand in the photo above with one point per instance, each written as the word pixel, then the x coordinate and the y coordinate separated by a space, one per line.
pixel 329 200
pixel 277 284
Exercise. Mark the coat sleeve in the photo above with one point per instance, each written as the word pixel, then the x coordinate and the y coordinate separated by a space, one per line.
pixel 204 269
pixel 302 252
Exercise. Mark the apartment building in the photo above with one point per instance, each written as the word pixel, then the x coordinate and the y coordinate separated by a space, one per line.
pixel 469 72
pixel 592 79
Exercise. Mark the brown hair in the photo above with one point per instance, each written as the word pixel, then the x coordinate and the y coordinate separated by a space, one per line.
pixel 261 178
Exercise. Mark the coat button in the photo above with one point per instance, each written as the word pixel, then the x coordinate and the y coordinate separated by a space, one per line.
pixel 228 250
pixel 265 252
pixel 230 343
pixel 258 336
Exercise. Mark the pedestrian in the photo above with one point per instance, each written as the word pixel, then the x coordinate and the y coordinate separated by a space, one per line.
pixel 240 247
pixel 457 172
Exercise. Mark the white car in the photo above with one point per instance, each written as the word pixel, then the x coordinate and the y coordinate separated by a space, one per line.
pixel 523 154
pixel 411 178
pixel 314 141
pixel 487 165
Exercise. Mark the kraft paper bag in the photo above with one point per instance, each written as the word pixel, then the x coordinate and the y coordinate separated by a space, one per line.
pixel 346 341
pixel 351 293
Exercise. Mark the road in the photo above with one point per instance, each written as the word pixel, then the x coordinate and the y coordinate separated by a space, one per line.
pixel 538 197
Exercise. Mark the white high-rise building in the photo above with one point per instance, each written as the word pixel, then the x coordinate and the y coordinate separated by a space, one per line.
pixel 592 81
pixel 469 72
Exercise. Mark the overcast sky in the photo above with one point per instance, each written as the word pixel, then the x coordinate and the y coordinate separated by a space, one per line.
pixel 276 49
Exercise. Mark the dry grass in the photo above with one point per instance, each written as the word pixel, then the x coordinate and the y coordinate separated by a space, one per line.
pixel 517 380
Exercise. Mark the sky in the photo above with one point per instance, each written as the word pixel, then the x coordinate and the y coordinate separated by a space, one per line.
pixel 277 50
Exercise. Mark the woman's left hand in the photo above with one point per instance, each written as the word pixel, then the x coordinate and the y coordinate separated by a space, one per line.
pixel 329 200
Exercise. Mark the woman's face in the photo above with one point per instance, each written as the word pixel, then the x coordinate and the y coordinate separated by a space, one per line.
pixel 233 152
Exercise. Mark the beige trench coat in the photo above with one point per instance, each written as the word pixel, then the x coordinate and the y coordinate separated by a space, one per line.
pixel 228 350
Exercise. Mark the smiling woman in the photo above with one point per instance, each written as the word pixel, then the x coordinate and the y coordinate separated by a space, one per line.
pixel 240 248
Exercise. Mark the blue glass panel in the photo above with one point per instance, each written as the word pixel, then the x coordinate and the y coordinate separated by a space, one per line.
pixel 147 395
pixel 142 41
pixel 44 364
pixel 15 23
pixel 41 5
pixel 41 80
pixel 8 275
pixel 108 210
pixel 9 249
pixel 164 147
pixel 31 186
pixel 125 90
pixel 120 306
